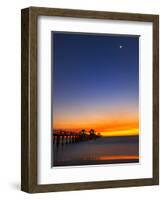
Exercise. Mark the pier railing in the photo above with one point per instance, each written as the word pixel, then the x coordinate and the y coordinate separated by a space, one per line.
pixel 69 138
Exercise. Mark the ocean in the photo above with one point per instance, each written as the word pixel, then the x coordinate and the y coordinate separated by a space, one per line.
pixel 103 150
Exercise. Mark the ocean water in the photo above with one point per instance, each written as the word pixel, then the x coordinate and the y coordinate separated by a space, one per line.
pixel 103 150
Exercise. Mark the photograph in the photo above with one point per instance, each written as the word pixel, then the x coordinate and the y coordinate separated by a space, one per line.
pixel 90 99
pixel 95 99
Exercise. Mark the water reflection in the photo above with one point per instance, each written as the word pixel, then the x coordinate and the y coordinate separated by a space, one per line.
pixel 100 151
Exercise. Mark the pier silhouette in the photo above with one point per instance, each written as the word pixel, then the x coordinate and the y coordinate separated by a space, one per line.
pixel 61 137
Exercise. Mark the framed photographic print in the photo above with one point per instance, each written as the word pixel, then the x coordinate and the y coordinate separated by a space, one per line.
pixel 90 100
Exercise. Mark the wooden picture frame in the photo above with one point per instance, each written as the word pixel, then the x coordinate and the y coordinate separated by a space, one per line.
pixel 29 97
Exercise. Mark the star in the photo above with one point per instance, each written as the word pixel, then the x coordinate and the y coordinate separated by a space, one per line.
pixel 120 46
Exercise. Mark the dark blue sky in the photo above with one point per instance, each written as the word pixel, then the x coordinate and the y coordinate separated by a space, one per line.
pixel 94 71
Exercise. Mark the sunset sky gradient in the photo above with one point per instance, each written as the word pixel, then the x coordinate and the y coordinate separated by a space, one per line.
pixel 95 83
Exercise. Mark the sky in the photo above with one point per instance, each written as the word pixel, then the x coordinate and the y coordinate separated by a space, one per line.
pixel 95 83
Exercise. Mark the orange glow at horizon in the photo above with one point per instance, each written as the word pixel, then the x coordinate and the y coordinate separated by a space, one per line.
pixel 124 126
pixel 115 121
pixel 128 132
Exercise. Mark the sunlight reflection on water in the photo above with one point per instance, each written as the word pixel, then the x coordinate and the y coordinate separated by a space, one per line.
pixel 101 149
